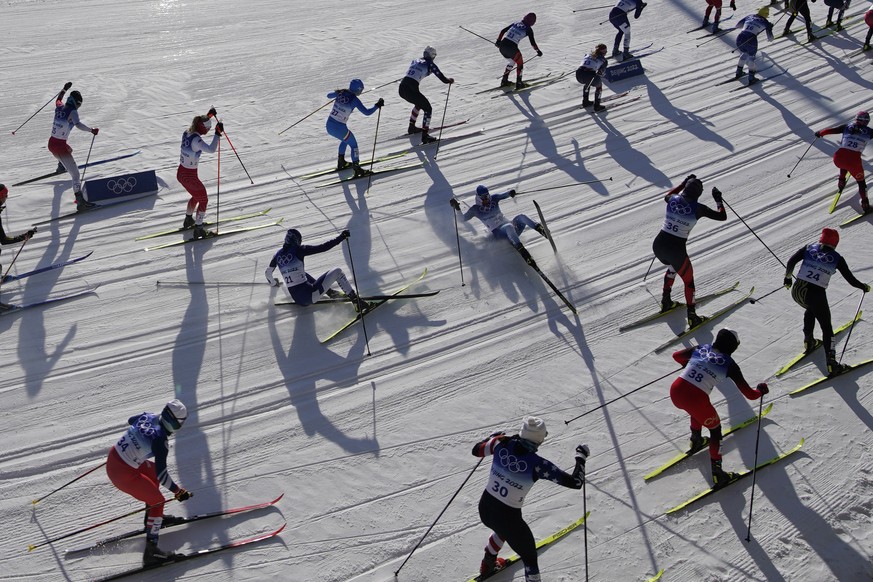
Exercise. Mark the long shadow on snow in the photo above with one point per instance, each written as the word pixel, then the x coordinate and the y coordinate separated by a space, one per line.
pixel 634 161
pixel 696 125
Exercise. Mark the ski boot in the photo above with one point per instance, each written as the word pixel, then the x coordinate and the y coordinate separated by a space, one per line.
pixel 586 102
pixel 811 37
pixel 720 477
pixel 739 73
pixel 532 577
pixel 201 232
pixel 598 107
pixel 615 52
pixel 540 229
pixel 698 441
pixel 626 55
pixel 828 23
pixel 667 302
pixel 693 319
pixel 426 138
pixel 411 130
pixel 519 84
pixel 188 222
pixel 504 81
pixel 359 171
pixel 334 294
pixel 809 345
pixel 172 520
pixel 865 204
pixel 866 47
pixel 359 304
pixel 82 204
pixel 490 565
pixel 341 163
pixel 752 78
pixel 153 555
pixel 705 22
pixel 834 367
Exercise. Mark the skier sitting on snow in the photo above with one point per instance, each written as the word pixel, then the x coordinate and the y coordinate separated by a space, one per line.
pixel 130 470
pixel 409 91
pixel 589 74
pixel 747 41
pixel 618 18
pixel 854 139
pixel 487 209
pixel 508 46
pixel 706 366
pixel 4 238
pixel 300 286
pixel 345 102
pixel 515 468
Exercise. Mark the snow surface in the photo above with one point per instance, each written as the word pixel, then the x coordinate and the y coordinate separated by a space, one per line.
pixel 370 445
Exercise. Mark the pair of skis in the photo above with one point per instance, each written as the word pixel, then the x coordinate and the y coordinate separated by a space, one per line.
pixel 706 320
pixel 214 235
pixel 804 354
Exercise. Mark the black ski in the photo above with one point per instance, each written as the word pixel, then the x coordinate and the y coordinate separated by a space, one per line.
pixel 51 267
pixel 548 282
pixel 546 232
pixel 197 554
pixel 88 165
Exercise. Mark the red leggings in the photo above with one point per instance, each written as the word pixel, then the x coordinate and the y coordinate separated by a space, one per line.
pixel 188 178
pixel 849 161
pixel 141 483
pixel 688 397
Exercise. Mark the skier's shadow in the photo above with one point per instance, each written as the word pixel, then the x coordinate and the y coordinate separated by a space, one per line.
pixel 634 161
pixel 697 125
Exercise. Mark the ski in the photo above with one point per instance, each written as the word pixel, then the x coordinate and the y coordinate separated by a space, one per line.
pixel 540 545
pixel 204 552
pixel 732 79
pixel 718 34
pixel 547 233
pixel 741 475
pixel 757 82
pixel 375 173
pixel 824 379
pixel 718 314
pixel 614 96
pixel 854 218
pixel 692 451
pixel 15 307
pixel 802 355
pixel 206 224
pixel 345 299
pixel 450 139
pixel 88 165
pixel 77 213
pixel 51 267
pixel 657 576
pixel 178 521
pixel 702 26
pixel 511 90
pixel 378 303
pixel 641 55
pixel 502 87
pixel 432 130
pixel 548 282
pixel 384 158
pixel 700 300
pixel 835 201
pixel 220 234
pixel 611 107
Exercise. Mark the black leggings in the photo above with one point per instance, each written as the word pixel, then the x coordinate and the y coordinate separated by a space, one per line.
pixel 815 300
pixel 508 523
pixel 410 92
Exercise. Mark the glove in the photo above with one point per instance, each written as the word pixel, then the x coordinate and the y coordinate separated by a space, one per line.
pixel 716 195
pixel 818 134
pixel 866 287
pixel 29 235
pixel 512 193
pixel 497 44
pixel 787 282
pixel 345 234
pixel 451 80
pixel 582 453
pixel 67 85
pixel 763 388
pixel 182 494
pixel 380 102
pixel 95 130
pixel 539 53
pixel 212 112
pixel 219 129
pixel 268 273
pixel 734 5
pixel 455 204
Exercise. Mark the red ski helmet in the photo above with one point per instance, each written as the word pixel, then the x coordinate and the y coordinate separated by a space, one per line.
pixel 862 118
pixel 4 192
pixel 529 19
pixel 829 237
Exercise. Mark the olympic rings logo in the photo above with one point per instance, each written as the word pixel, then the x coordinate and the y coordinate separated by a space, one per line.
pixel 122 185
pixel 678 207
pixel 146 428
pixel 712 357
pixel 512 462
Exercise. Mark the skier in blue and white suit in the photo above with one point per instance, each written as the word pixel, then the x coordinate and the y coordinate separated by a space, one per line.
pixel 409 91
pixel 747 41
pixel 345 102
pixel 618 18
pixel 487 209
pixel 302 287
pixel 515 468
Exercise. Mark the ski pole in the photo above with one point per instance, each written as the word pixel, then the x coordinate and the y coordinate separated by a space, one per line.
pixel 358 307
pixel 513 68
pixel 489 41
pixel 649 269
pixel 442 122
pixel 564 186
pixel 230 143
pixel 585 524
pixel 373 153
pixel 854 321
pixel 753 232
pixel 306 117
pixel 753 300
pixel 385 84
pixel 755 469
pixel 458 239
pixel 801 157
pixel 67 85
pixel 715 36
pixel 88 472
pixel 479 462
pixel 32 547
pixel 605 404
pixel 210 283
pixel 85 167
pixel 24 242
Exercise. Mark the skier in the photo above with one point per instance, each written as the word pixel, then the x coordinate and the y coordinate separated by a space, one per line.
pixel 590 73
pixel 409 91
pixel 487 209
pixel 820 262
pixel 508 46
pixel 683 212
pixel 6 239
pixel 747 41
pixel 300 286
pixel 192 146
pixel 710 4
pixel 66 118
pixel 840 6
pixel 795 6
pixel 706 366
pixel 346 101
pixel 516 466
pixel 130 470
pixel 618 18
pixel 855 136
pixel 868 20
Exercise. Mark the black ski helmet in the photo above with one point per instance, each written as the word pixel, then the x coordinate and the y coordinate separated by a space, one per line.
pixel 693 188
pixel 727 341
pixel 293 237
pixel 75 99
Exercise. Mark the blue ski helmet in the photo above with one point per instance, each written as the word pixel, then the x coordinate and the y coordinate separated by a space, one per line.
pixel 482 194
pixel 74 100
pixel 293 237
pixel 356 86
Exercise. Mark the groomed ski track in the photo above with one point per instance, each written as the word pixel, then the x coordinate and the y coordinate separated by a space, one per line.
pixel 370 449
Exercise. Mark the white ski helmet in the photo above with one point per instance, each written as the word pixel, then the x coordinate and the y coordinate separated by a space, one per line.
pixel 429 53
pixel 173 415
